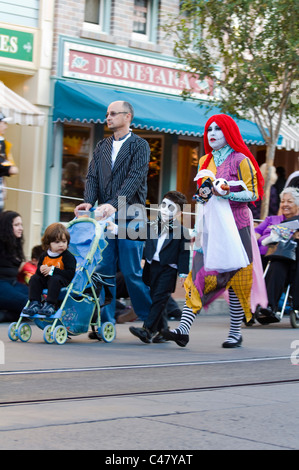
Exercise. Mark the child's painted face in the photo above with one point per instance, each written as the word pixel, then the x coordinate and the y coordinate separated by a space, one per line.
pixel 216 137
pixel 169 209
pixel 59 246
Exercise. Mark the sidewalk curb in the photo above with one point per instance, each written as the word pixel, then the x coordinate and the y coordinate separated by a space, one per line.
pixel 218 307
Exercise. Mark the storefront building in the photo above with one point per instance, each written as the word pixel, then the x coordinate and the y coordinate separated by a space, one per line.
pixel 117 52
pixel 69 59
pixel 91 78
pixel 25 66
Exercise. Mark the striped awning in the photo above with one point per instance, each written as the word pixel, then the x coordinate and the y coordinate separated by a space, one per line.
pixel 290 135
pixel 20 110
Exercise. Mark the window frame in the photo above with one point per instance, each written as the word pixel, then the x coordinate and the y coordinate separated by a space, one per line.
pixel 146 36
pixel 96 27
pixel 151 24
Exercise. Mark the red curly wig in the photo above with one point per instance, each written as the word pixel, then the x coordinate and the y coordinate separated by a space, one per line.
pixel 234 139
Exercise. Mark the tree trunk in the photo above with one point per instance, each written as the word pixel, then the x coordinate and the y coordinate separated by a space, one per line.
pixel 270 153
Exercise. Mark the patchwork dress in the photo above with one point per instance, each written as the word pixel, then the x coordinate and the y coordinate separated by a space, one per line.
pixel 202 286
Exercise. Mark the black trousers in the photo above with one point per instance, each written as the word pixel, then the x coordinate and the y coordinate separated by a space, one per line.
pixel 162 284
pixel 280 274
pixel 53 283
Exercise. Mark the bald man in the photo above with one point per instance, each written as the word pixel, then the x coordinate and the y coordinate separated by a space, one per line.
pixel 117 181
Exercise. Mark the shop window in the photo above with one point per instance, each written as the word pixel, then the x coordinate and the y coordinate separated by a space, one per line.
pixel 76 153
pixel 153 177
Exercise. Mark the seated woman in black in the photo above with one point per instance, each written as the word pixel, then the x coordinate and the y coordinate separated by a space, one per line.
pixel 283 271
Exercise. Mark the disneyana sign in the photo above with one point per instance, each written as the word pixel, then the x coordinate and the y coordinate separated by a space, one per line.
pixel 123 69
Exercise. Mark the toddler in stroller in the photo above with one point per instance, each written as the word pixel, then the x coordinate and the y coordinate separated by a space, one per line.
pixel 56 268
pixel 80 307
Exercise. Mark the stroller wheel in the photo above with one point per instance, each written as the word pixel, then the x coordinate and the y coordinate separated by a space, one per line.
pixel 108 332
pixel 48 337
pixel 60 334
pixel 294 318
pixel 24 332
pixel 12 332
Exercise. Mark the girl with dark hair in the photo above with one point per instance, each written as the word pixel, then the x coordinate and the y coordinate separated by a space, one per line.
pixel 13 294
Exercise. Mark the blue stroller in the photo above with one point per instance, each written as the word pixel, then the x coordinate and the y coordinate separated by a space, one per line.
pixel 80 306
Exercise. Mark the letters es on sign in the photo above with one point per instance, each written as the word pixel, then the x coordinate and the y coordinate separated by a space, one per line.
pixel 16 44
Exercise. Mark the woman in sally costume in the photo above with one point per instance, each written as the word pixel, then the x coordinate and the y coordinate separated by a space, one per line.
pixel 225 254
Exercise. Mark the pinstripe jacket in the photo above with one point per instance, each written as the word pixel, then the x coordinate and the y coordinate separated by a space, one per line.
pixel 128 177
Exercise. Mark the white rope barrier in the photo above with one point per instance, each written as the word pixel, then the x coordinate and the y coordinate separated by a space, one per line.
pixel 41 193
pixel 71 197
pixel 82 200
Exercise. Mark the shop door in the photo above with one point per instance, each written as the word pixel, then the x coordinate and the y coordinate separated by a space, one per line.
pixel 188 156
pixel 76 153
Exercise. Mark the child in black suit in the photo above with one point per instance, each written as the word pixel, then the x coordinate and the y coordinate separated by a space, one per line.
pixel 166 255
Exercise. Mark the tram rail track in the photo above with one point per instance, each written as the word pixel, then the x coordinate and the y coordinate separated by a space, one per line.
pixel 140 366
pixel 93 374
pixel 152 392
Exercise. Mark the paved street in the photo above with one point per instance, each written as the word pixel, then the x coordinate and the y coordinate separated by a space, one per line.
pixel 128 395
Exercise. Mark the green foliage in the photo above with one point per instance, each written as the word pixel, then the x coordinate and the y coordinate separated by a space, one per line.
pixel 249 48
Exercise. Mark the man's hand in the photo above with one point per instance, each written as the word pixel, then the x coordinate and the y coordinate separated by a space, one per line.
pixel 104 211
pixel 85 206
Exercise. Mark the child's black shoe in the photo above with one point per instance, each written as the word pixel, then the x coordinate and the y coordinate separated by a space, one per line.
pixel 33 308
pixel 47 309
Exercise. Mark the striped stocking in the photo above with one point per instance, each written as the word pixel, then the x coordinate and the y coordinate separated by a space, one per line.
pixel 236 317
pixel 187 319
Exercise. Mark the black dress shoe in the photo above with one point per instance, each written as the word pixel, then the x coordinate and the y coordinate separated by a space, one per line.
pixel 142 333
pixel 266 312
pixel 267 316
pixel 176 336
pixel 232 344
pixel 263 320
pixel 159 338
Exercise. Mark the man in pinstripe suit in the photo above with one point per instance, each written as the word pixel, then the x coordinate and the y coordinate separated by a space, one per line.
pixel 117 179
